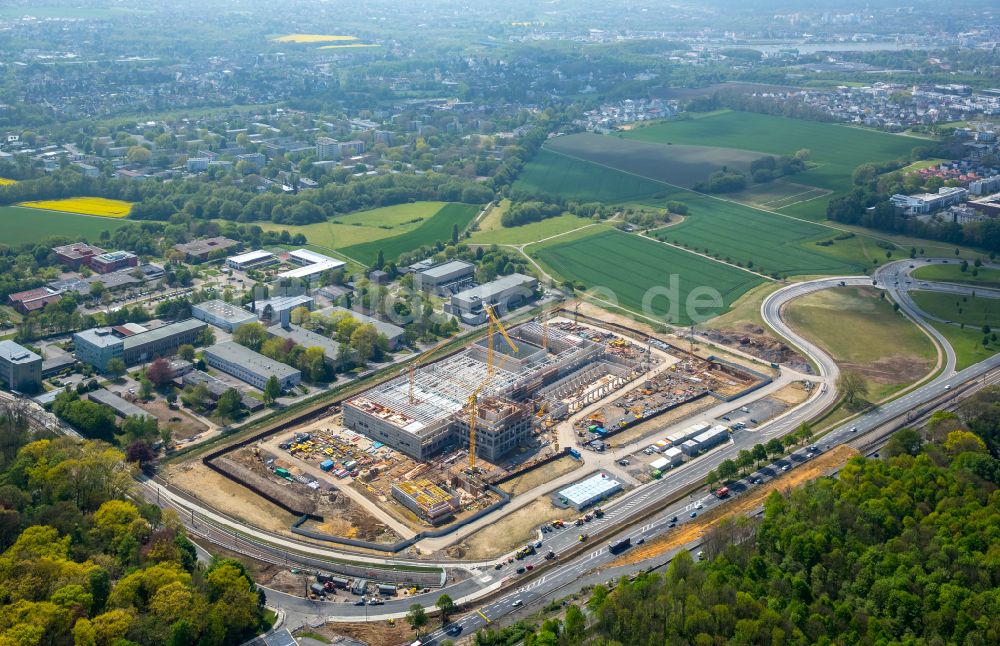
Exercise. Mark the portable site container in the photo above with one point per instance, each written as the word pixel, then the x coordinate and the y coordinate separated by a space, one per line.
pixel 326 465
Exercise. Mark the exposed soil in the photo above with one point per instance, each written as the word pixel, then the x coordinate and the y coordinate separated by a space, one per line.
pixel 757 341
pixel 540 475
pixel 509 532
pixel 372 633
pixel 182 424
pixel 792 394
pixel 896 369
pixel 691 531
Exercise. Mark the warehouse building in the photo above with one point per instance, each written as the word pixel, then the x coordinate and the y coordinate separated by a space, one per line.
pixel 20 368
pixel 443 278
pixel 504 294
pixel 251 259
pixel 433 503
pixel 705 441
pixel 249 366
pixel 393 333
pixel 589 492
pixel 222 314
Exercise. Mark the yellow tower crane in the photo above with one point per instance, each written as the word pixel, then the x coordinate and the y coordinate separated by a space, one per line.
pixel 493 324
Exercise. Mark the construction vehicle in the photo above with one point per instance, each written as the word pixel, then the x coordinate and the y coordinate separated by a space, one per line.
pixel 583 537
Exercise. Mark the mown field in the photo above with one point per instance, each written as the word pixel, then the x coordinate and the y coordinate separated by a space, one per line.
pixel 680 165
pixel 97 206
pixel 627 269
pixel 550 173
pixel 973 311
pixel 21 225
pixel 952 273
pixel 531 232
pixel 836 150
pixel 772 243
pixel 436 228
pixel 364 226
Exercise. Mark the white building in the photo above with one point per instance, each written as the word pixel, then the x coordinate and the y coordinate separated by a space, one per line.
pixel 251 259
pixel 929 202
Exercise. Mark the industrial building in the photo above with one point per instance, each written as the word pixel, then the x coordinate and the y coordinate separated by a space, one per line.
pixel 432 502
pixel 20 368
pixel 312 264
pixel 443 278
pixel 222 314
pixel 504 294
pixel 929 202
pixel 705 441
pixel 251 259
pixel 98 346
pixel 106 263
pixel 436 417
pixel 393 333
pixel 249 366
pixel 121 407
pixel 307 338
pixel 590 491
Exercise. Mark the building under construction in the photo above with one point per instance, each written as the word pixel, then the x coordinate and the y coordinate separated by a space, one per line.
pixel 437 415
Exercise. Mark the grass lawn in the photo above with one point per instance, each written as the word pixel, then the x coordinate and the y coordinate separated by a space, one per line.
pixel 628 270
pixel 746 309
pixel 953 274
pixel 436 228
pixel 550 173
pixel 678 165
pixel 363 226
pixel 98 206
pixel 772 243
pixel 967 343
pixel 862 332
pixel 974 311
pixel 531 232
pixel 835 149
pixel 21 225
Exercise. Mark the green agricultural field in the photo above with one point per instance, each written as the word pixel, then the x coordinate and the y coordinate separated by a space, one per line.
pixel 682 166
pixel 363 226
pixel 952 273
pixel 895 352
pixel 532 232
pixel 550 173
pixel 434 229
pixel 21 225
pixel 625 268
pixel 836 150
pixel 973 311
pixel 772 243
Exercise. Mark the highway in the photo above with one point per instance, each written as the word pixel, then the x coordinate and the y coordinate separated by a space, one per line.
pixel 470 582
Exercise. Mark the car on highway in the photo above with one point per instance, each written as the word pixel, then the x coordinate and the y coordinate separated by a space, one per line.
pixel 674 519
pixel 359 602
pixel 520 570
pixel 757 481
pixel 947 386
pixel 529 567
pixel 854 429
pixel 517 603
pixel 624 462
pixel 699 506
pixel 583 537
pixel 693 514
pixel 454 629
pixel 784 467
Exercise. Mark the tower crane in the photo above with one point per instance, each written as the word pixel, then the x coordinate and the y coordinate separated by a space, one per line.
pixel 493 324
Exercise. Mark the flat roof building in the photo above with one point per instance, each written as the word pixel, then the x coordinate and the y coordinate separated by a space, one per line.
pixel 76 254
pixel 121 407
pixel 432 502
pixel 444 278
pixel 251 259
pixel 393 333
pixel 98 346
pixel 106 263
pixel 307 339
pixel 202 249
pixel 312 264
pixel 273 309
pixel 222 314
pixel 590 491
pixel 504 293
pixel 249 366
pixel 20 368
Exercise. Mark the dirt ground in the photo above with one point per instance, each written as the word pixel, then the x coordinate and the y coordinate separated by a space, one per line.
pixel 695 529
pixel 228 497
pixel 509 532
pixel 792 394
pixel 892 370
pixel 756 340
pixel 541 475
pixel 657 424
pixel 183 425
pixel 373 633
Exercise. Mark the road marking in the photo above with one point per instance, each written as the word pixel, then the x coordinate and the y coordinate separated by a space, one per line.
pixel 484 616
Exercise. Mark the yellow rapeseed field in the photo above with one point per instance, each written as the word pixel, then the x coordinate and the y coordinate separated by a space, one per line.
pixel 311 38
pixel 7 182
pixel 84 206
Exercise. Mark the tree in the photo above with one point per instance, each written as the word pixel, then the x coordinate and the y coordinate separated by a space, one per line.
pixel 852 385
pixel 186 352
pixel 805 432
pixel 446 606
pixel 964 441
pixel 140 452
pixel 711 478
pixel 904 441
pixel 727 469
pixel 380 260
pixel 272 390
pixel 416 617
pixel 774 447
pixel 115 368
pixel 228 406
pixel 206 337
pixel 159 371
pixel 250 335
pixel 145 388
pixel 196 397
pixel 759 453
pixel 454 233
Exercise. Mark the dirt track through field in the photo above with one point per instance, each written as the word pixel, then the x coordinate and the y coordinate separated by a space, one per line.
pixel 691 531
